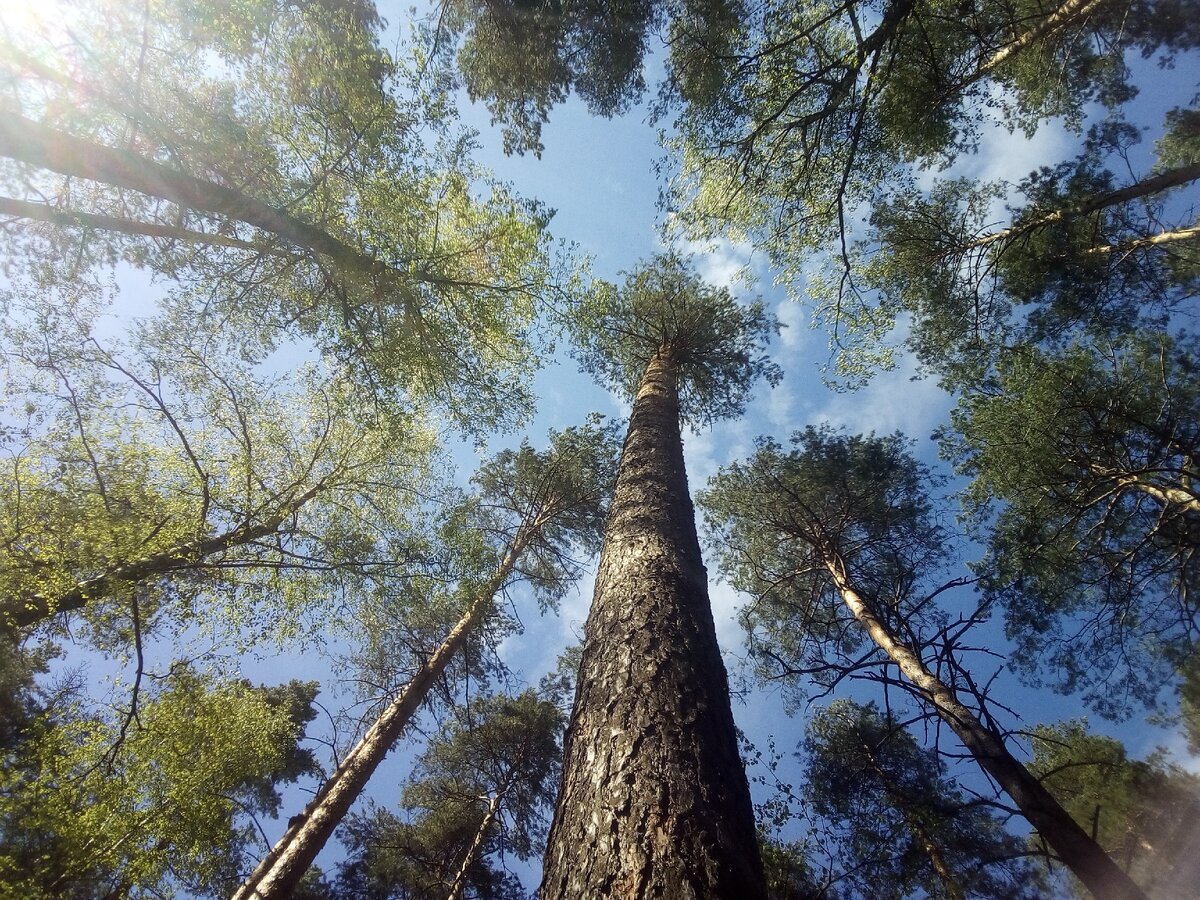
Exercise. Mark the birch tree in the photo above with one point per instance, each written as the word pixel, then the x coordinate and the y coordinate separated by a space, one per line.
pixel 94 804
pixel 160 478
pixel 291 175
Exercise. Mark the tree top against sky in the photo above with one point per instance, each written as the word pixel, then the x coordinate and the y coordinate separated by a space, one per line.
pixel 664 308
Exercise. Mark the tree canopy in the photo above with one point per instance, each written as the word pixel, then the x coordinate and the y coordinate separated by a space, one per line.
pixel 277 565
pixel 716 344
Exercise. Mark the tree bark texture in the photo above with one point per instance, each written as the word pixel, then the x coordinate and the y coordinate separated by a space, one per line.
pixel 1077 850
pixel 285 864
pixel 654 800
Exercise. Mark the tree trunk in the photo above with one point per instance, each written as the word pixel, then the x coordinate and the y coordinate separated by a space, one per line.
pixel 1147 187
pixel 285 864
pixel 1077 850
pixel 1070 12
pixel 69 218
pixel 38 145
pixel 460 880
pixel 654 800
pixel 1169 496
pixel 33 609
pixel 931 848
pixel 1191 233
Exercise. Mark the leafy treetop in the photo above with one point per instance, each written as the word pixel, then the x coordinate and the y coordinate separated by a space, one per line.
pixel 713 344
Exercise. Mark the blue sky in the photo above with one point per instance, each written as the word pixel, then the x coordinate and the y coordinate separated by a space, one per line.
pixel 599 175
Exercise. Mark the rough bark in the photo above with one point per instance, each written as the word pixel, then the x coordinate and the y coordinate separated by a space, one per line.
pixel 284 865
pixel 32 609
pixel 1077 850
pixel 654 800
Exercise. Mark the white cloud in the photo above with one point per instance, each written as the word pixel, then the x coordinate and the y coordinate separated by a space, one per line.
pixel 721 261
pixel 781 407
pixel 795 333
pixel 1007 155
pixel 726 603
pixel 892 401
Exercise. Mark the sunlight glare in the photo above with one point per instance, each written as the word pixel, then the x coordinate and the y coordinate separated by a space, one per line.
pixel 23 19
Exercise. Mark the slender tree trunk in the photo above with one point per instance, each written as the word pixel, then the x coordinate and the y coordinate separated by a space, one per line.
pixel 1147 187
pixel 285 864
pixel 33 609
pixel 460 880
pixel 1190 233
pixel 654 800
pixel 69 218
pixel 933 852
pixel 1078 851
pixel 31 142
pixel 931 848
pixel 1070 12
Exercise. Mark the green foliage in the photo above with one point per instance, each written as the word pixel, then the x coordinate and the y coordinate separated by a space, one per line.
pixel 779 518
pixel 823 112
pixel 1093 452
pixel 137 455
pixel 904 828
pixel 1085 253
pixel 1143 812
pixel 524 57
pixel 554 501
pixel 499 750
pixel 789 876
pixel 156 801
pixel 390 249
pixel 558 495
pixel 665 309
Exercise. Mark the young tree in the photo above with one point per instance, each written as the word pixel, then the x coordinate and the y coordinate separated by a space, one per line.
pixel 654 800
pixel 1145 813
pixel 539 506
pixel 834 540
pixel 1094 452
pixel 906 828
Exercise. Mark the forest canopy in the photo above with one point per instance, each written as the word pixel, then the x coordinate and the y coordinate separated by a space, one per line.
pixel 349 351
